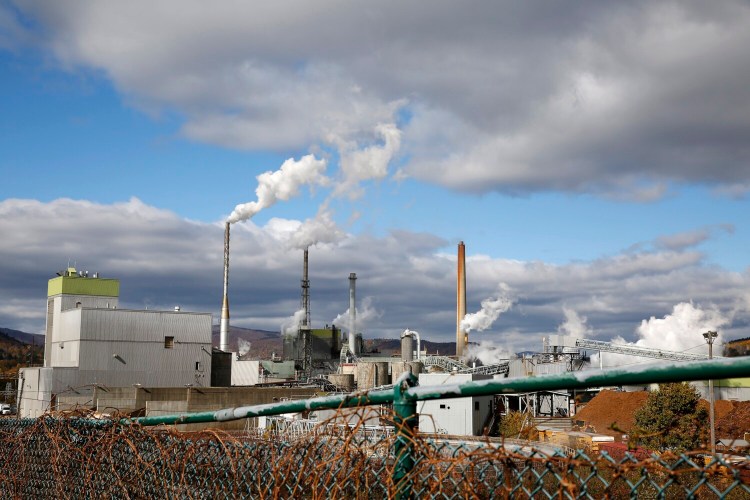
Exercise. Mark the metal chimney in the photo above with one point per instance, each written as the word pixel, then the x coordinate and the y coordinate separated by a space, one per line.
pixel 461 337
pixel 224 325
pixel 352 315
pixel 305 292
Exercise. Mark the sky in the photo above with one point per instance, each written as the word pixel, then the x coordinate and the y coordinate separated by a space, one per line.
pixel 594 157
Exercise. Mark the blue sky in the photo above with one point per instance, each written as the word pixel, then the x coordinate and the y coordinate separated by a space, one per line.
pixel 624 141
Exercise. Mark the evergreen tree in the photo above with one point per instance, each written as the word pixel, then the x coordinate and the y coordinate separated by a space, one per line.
pixel 671 419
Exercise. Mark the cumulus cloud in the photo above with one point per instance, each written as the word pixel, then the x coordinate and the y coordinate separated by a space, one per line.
pixel 623 99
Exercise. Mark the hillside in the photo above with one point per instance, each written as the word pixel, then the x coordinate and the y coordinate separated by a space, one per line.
pixel 15 354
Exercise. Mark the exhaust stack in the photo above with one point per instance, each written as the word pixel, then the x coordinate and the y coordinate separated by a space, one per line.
pixel 224 326
pixel 305 292
pixel 352 315
pixel 462 338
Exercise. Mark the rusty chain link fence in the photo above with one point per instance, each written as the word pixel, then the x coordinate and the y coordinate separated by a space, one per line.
pixel 77 457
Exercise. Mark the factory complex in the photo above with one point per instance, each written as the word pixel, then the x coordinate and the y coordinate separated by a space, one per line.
pixel 101 358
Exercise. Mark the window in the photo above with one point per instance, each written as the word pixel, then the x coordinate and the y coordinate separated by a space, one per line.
pixel 476 405
pixel 168 342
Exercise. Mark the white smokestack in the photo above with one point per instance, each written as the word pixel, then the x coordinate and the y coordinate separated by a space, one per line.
pixel 352 314
pixel 224 326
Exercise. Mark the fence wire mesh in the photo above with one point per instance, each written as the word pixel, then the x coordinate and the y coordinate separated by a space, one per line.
pixel 78 457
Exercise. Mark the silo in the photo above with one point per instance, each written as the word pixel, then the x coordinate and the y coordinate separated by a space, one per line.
pixel 416 367
pixel 397 368
pixel 407 346
pixel 365 376
pixel 381 373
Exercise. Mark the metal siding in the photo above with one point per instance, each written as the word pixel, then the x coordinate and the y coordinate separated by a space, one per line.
pixel 245 372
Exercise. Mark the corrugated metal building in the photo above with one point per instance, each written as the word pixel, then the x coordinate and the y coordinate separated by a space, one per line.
pixel 456 416
pixel 90 342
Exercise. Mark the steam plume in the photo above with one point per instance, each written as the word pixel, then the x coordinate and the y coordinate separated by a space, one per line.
pixel 367 163
pixel 491 310
pixel 243 347
pixel 574 325
pixel 487 352
pixel 282 184
pixel 367 313
pixel 291 325
pixel 321 229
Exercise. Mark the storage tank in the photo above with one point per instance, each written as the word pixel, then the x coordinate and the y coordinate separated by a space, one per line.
pixel 381 374
pixel 407 346
pixel 342 380
pixel 365 376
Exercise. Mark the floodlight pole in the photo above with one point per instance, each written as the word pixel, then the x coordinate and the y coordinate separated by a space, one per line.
pixel 710 336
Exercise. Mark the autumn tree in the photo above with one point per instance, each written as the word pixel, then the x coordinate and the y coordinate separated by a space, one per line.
pixel 671 419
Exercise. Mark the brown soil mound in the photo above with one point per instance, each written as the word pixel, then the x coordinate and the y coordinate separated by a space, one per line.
pixel 612 407
pixel 735 423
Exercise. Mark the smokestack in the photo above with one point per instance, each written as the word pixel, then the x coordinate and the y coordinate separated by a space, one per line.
pixel 461 337
pixel 305 293
pixel 224 326
pixel 352 314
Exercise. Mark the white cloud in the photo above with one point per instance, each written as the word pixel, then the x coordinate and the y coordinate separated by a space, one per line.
pixel 620 99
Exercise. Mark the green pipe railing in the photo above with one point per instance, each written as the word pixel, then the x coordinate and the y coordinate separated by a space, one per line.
pixel 405 394
pixel 632 375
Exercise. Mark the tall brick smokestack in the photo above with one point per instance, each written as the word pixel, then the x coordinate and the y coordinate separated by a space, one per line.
pixel 461 337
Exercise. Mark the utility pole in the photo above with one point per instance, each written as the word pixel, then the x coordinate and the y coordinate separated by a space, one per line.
pixel 710 337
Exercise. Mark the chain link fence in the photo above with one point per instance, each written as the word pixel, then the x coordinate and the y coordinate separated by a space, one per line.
pixel 77 457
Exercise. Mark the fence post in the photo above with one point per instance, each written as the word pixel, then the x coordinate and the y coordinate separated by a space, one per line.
pixel 406 421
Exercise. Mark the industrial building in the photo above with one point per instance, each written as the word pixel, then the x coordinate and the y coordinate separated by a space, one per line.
pixel 92 343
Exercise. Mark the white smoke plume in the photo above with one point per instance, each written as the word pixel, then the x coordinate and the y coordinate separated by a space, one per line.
pixel 487 352
pixel 282 184
pixel 321 229
pixel 366 313
pixel 371 162
pixel 491 309
pixel 243 347
pixel 574 325
pixel 290 326
pixel 680 331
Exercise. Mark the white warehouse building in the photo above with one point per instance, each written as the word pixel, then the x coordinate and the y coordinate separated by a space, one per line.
pixel 91 345
pixel 465 416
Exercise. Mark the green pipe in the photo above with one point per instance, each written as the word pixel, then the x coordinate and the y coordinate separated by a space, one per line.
pixel 405 421
pixel 632 375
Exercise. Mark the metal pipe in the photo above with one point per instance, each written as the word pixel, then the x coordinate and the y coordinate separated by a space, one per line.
pixel 717 368
pixel 353 348
pixel 461 337
pixel 710 336
pixel 224 325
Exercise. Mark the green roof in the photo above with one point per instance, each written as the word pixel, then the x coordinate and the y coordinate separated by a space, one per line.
pixel 73 284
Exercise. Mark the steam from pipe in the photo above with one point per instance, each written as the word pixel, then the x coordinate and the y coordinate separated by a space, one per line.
pixel 291 325
pixel 490 311
pixel 224 325
pixel 282 184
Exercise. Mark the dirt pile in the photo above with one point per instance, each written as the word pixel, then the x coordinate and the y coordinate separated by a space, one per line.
pixel 611 407
pixel 734 423
pixel 614 407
